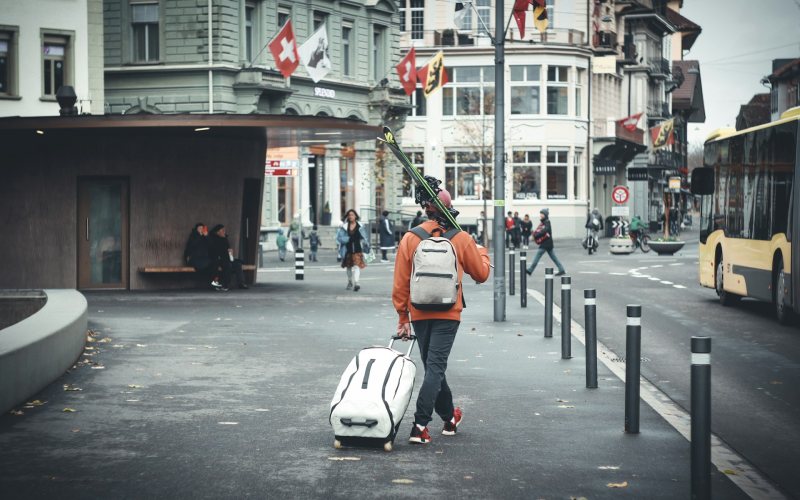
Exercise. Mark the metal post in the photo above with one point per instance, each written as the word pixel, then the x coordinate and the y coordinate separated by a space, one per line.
pixel 701 418
pixel 633 360
pixel 548 302
pixel 590 313
pixel 523 279
pixel 299 264
pixel 566 317
pixel 499 164
pixel 511 284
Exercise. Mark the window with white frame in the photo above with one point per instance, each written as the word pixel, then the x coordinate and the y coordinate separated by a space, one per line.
pixel 144 29
pixel 525 90
pixel 417 10
pixel 466 19
pixel 347 49
pixel 484 8
pixel 418 104
pixel 580 75
pixel 418 159
pixel 467 174
pixel 557 90
pixel 470 91
pixel 283 15
pixel 471 23
pixel 56 57
pixel 249 30
pixel 8 56
pixel 527 171
pixel 576 177
pixel 557 173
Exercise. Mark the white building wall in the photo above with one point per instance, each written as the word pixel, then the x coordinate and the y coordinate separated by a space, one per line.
pixel 59 16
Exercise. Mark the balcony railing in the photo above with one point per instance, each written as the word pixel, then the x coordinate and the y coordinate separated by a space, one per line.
pixel 658 110
pixel 605 41
pixel 659 67
pixel 664 160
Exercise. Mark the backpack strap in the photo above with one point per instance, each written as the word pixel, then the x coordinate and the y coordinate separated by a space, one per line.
pixel 421 233
pixel 451 233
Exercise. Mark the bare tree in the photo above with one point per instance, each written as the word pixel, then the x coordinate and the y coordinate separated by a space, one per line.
pixel 694 158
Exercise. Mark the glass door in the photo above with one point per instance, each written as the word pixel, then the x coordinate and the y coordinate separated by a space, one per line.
pixel 103 233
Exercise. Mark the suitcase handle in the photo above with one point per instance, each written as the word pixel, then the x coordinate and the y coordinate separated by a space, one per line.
pixel 349 422
pixel 412 338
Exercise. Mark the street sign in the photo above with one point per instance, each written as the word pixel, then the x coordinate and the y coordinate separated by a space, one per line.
pixel 620 211
pixel 280 172
pixel 620 195
pixel 675 184
pixel 619 223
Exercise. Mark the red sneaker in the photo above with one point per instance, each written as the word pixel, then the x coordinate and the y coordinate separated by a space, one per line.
pixel 419 436
pixel 451 427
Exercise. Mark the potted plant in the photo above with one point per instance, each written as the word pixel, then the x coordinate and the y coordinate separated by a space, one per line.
pixel 620 244
pixel 326 214
pixel 666 245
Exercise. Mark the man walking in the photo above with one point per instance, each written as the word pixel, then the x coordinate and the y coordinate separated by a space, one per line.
pixel 435 329
pixel 543 236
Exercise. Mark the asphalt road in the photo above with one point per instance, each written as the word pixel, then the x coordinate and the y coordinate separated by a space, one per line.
pixel 755 360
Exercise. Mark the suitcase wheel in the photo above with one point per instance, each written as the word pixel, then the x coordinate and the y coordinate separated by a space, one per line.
pixel 337 444
pixel 387 446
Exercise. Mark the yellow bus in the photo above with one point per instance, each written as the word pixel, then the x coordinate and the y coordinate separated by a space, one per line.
pixel 749 213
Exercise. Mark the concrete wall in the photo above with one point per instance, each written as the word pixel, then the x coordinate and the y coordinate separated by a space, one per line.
pixel 39 349
pixel 176 178
pixel 16 305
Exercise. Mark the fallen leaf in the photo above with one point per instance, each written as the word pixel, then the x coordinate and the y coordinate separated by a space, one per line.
pixel 105 340
pixel 117 346
pixel 71 388
pixel 141 345
pixel 566 406
pixel 69 410
pixel 134 386
pixel 17 412
pixel 262 409
pixel 89 348
pixel 608 467
pixel 131 400
pixel 730 472
pixel 35 402
pixel 169 397
pixel 519 335
pixel 98 367
pixel 342 459
pixel 403 481
pixel 467 477
pixel 559 400
pixel 623 484
pixel 76 430
pixel 228 423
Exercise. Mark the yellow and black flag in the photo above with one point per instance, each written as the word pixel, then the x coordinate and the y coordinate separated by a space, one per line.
pixel 432 76
pixel 663 134
pixel 540 15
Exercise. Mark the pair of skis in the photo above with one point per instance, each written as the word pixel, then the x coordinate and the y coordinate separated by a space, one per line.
pixel 389 140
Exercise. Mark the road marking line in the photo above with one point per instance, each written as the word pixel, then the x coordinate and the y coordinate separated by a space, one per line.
pixel 588 272
pixel 657 265
pixel 618 274
pixel 676 264
pixel 746 477
pixel 593 261
pixel 678 286
pixel 667 283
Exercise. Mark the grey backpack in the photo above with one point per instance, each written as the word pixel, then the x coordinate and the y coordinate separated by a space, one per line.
pixel 434 271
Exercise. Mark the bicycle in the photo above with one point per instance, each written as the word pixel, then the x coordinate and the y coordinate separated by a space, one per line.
pixel 642 241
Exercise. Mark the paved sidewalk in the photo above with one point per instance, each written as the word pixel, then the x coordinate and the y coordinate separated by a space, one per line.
pixel 226 395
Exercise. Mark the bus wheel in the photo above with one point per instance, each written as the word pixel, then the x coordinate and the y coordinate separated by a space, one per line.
pixel 725 298
pixel 782 311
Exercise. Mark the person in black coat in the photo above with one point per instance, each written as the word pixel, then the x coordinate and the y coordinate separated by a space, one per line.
pixel 221 253
pixel 386 233
pixel 543 236
pixel 527 230
pixel 197 253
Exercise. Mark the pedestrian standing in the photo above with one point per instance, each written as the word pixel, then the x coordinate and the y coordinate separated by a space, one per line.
pixel 313 243
pixel 435 329
pixel 296 232
pixel 509 229
pixel 386 234
pixel 353 243
pixel 417 220
pixel 280 241
pixel 516 236
pixel 543 236
pixel 527 229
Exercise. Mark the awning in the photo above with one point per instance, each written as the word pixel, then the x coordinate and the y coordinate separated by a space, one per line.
pixel 616 155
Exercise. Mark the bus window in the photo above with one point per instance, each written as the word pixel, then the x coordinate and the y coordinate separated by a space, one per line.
pixel 782 190
pixel 706 219
pixel 761 205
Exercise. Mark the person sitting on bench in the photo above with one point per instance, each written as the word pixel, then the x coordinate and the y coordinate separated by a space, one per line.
pixel 197 254
pixel 222 254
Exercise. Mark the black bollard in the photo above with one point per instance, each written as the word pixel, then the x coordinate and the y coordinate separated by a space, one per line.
pixel 566 317
pixel 701 418
pixel 548 302
pixel 590 313
pixel 511 284
pixel 633 361
pixel 299 264
pixel 523 279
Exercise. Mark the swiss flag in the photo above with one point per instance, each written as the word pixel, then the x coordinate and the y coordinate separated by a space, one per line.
pixel 520 6
pixel 407 70
pixel 284 50
pixel 630 122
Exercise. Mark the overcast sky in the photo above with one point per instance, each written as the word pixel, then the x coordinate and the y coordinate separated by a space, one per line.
pixel 740 39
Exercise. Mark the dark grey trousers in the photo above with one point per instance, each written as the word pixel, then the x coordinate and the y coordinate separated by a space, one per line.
pixel 435 339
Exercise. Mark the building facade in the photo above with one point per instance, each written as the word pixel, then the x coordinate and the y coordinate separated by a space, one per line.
pixel 43 46
pixel 210 56
pixel 451 133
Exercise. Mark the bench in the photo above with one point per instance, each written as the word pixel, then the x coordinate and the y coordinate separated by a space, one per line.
pixel 182 269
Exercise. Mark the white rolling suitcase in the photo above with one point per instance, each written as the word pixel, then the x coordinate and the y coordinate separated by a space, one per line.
pixel 372 396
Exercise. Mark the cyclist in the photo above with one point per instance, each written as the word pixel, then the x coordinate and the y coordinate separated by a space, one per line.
pixel 636 228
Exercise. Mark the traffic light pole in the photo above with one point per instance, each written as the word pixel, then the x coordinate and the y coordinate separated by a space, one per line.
pixel 499 165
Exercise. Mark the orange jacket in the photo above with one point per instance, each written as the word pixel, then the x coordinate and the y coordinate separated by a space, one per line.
pixel 472 259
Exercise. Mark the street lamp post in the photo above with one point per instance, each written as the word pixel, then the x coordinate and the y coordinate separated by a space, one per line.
pixel 499 165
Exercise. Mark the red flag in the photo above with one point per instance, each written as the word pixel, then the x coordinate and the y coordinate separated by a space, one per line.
pixel 407 70
pixel 520 6
pixel 284 50
pixel 630 122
